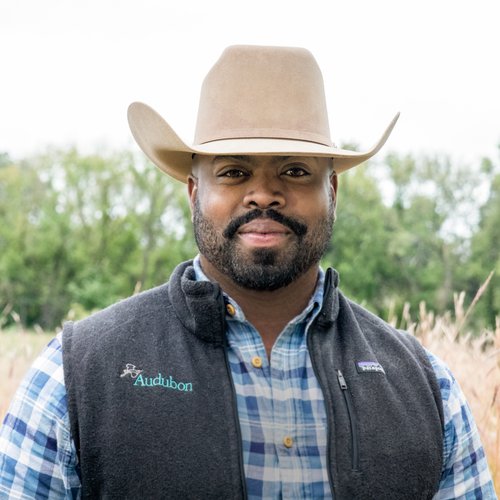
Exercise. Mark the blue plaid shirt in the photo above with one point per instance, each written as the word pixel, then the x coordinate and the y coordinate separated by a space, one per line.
pixel 281 412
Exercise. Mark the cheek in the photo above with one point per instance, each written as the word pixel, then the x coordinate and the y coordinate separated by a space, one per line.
pixel 316 205
pixel 328 199
pixel 215 206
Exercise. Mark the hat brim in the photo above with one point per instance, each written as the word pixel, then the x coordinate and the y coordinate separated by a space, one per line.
pixel 174 157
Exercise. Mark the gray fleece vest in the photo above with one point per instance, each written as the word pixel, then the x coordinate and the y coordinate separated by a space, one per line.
pixel 153 408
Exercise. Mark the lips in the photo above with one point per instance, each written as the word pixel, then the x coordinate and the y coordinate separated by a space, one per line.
pixel 263 233
pixel 263 226
pixel 269 216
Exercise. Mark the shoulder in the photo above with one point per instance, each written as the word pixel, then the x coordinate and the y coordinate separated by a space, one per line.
pixel 396 349
pixel 374 327
pixel 364 317
pixel 135 313
pixel 129 309
pixel 139 312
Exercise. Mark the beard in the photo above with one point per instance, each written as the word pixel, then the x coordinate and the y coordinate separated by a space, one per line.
pixel 263 268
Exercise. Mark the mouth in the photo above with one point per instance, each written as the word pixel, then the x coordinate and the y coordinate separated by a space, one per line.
pixel 264 226
pixel 263 233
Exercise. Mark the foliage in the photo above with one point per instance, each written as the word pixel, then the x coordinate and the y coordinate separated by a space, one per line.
pixel 427 239
pixel 85 231
pixel 79 232
pixel 360 239
pixel 485 251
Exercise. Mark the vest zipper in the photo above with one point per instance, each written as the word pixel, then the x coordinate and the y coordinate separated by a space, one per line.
pixel 236 421
pixel 352 420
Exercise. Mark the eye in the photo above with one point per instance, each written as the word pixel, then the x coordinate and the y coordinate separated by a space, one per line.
pixel 232 173
pixel 296 170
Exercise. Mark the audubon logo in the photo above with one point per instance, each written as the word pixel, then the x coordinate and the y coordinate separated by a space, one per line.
pixel 130 370
pixel 141 380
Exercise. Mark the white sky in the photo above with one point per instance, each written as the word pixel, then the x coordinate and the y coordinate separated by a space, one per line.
pixel 69 69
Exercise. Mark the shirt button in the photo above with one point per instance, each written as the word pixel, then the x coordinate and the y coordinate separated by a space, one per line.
pixel 288 441
pixel 257 362
pixel 230 309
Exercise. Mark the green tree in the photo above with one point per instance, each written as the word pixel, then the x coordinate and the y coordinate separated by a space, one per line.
pixel 396 238
pixel 86 230
pixel 360 240
pixel 485 249
pixel 82 231
pixel 4 160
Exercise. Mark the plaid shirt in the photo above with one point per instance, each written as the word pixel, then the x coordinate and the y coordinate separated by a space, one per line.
pixel 282 418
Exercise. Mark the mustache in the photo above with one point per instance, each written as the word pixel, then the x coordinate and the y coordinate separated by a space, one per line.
pixel 232 228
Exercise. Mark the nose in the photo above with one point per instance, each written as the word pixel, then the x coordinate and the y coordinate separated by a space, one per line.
pixel 264 193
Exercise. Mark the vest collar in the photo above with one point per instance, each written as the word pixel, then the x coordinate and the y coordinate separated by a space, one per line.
pixel 330 309
pixel 200 307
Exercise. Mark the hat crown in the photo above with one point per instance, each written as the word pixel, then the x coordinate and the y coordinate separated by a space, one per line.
pixel 263 92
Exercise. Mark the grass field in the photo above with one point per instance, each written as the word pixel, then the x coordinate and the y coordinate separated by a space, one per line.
pixel 18 349
pixel 474 360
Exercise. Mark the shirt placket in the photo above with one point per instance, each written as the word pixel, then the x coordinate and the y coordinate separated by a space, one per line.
pixel 284 415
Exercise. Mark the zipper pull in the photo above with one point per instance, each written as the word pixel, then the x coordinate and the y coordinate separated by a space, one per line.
pixel 342 381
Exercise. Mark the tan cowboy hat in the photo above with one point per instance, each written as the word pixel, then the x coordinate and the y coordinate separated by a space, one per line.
pixel 254 101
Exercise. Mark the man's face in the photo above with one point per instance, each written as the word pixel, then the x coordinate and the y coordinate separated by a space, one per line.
pixel 262 220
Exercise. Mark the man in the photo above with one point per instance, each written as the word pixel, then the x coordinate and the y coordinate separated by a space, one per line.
pixel 249 374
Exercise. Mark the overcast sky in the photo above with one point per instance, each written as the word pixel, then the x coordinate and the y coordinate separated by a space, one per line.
pixel 69 69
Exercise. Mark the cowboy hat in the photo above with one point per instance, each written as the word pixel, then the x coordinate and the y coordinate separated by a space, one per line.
pixel 256 100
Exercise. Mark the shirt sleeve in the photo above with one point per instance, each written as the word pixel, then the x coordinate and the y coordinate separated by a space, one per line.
pixel 465 473
pixel 37 455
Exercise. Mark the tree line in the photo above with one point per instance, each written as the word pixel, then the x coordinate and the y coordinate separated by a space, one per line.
pixel 78 232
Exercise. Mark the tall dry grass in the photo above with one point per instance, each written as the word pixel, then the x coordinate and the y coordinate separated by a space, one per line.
pixel 473 358
pixel 18 349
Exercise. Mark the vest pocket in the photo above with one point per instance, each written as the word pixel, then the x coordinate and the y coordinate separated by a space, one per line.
pixel 352 420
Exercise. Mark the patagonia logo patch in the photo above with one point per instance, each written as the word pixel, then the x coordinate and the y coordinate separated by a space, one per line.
pixel 369 367
pixel 140 379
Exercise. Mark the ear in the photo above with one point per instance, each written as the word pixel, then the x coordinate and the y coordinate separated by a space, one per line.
pixel 334 180
pixel 192 186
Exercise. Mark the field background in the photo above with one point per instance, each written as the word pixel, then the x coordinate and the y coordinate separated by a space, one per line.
pixel 474 360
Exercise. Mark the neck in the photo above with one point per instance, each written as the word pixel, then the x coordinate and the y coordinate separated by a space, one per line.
pixel 268 311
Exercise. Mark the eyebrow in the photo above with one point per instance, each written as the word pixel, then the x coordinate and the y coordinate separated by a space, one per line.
pixel 247 158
